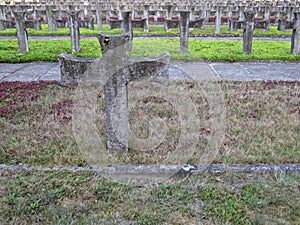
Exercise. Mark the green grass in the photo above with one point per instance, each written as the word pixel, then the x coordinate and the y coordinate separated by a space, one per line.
pixel 214 50
pixel 48 50
pixel 61 197
pixel 153 30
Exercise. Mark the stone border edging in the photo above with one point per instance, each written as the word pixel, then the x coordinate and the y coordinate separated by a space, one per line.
pixel 152 169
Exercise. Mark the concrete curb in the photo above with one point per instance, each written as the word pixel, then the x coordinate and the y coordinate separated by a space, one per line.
pixel 158 169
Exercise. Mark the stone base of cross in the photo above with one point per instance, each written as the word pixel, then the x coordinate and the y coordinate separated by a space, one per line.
pixel 115 70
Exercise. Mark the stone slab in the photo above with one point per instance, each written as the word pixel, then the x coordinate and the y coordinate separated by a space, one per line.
pixel 30 72
pixel 52 74
pixel 11 68
pixel 24 78
pixel 258 71
pixel 193 70
pixel 157 170
pixel 3 75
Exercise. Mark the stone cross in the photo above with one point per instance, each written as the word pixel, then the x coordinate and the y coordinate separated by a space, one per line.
pixel 120 12
pixel 184 31
pixel 22 35
pixel 157 14
pixel 295 46
pixel 81 14
pixel 229 11
pixel 202 10
pixel 6 19
pixel 248 32
pixel 74 30
pixel 208 10
pixel 34 12
pixel 277 13
pixel 289 13
pixel 146 15
pixel 99 15
pixel 3 11
pixel 49 16
pixel 219 10
pixel 118 70
pixel 116 91
pixel 204 13
pixel 169 11
pixel 267 12
pixel 59 11
pixel 192 10
pixel 126 24
pixel 241 11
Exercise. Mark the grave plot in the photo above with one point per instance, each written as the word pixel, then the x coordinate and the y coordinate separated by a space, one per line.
pixel 61 176
pixel 115 83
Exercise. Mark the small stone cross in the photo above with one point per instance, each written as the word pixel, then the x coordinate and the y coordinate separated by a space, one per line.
pixel 74 30
pixel 248 32
pixel 22 35
pixel 295 46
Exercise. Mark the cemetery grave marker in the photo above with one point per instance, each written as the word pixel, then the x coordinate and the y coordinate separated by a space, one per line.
pixel 248 32
pixel 146 17
pixel 117 71
pixel 50 19
pixel 295 46
pixel 22 35
pixel 6 21
pixel 219 10
pixel 99 15
pixel 74 30
pixel 184 31
pixel 126 24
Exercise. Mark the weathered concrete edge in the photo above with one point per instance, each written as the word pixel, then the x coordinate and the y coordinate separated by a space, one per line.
pixel 152 169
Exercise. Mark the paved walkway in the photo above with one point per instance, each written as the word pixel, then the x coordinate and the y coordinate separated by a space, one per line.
pixel 288 71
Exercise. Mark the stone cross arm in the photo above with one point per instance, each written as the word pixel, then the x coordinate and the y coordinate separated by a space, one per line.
pixel 151 68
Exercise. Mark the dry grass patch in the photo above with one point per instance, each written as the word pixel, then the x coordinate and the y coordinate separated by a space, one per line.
pixel 262 124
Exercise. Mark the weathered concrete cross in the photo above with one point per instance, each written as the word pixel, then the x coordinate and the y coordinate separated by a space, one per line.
pixel 115 72
pixel 22 35
pixel 74 29
pixel 295 46
pixel 248 32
